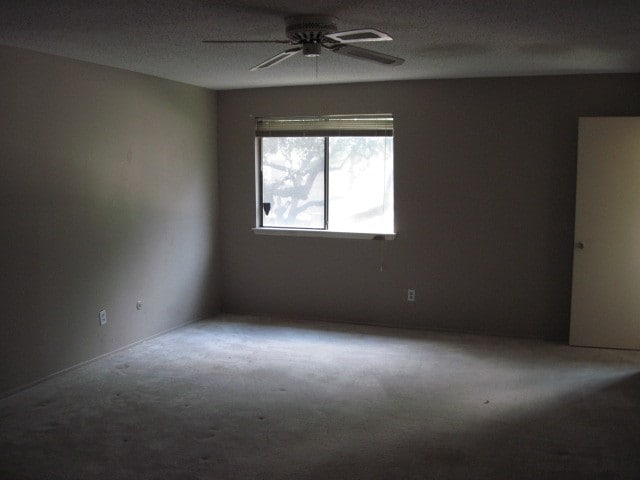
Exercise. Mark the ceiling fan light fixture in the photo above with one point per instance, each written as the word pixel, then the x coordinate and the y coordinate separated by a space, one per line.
pixel 311 49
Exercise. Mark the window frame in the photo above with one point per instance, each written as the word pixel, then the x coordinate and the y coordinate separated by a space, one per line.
pixel 326 134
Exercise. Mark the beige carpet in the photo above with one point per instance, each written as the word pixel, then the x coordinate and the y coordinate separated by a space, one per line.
pixel 256 398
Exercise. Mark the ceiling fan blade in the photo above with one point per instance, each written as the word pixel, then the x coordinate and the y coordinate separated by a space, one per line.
pixel 365 54
pixel 276 59
pixel 246 41
pixel 360 35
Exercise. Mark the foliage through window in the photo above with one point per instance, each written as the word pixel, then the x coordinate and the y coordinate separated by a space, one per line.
pixel 326 173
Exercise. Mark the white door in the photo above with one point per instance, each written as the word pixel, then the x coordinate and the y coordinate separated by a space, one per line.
pixel 605 303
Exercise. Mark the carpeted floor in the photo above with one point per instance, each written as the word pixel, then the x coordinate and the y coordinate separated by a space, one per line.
pixel 257 398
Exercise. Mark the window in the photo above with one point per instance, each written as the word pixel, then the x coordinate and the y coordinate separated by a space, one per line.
pixel 332 174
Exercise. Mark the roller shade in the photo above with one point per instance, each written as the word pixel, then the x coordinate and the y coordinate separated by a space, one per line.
pixel 378 125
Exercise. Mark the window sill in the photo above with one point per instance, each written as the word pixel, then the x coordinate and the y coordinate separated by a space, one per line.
pixel 294 232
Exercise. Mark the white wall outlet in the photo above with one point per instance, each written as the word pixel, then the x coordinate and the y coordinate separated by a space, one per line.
pixel 411 295
pixel 139 305
pixel 103 317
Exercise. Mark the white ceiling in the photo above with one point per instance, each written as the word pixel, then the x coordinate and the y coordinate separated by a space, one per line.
pixel 438 38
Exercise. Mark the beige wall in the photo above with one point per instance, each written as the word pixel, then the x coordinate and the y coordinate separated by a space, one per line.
pixel 108 195
pixel 485 194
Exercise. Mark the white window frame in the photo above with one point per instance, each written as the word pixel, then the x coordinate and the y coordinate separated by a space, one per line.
pixel 328 126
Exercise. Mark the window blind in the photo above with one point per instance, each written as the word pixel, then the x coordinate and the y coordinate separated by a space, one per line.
pixel 374 125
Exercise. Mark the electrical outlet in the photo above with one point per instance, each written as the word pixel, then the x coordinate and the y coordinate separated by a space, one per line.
pixel 139 305
pixel 411 295
pixel 103 317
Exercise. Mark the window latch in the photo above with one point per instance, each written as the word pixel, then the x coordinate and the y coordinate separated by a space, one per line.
pixel 266 206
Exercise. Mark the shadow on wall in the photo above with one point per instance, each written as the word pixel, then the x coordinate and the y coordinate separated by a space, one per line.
pixel 109 193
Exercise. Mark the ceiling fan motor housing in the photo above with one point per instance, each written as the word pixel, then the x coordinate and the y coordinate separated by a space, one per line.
pixel 310 31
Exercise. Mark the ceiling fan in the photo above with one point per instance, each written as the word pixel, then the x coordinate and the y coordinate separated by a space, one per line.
pixel 310 33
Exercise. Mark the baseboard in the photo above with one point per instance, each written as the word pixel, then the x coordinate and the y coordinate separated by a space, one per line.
pixel 357 322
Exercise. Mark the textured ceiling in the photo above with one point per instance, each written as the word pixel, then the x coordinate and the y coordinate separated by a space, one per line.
pixel 438 38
